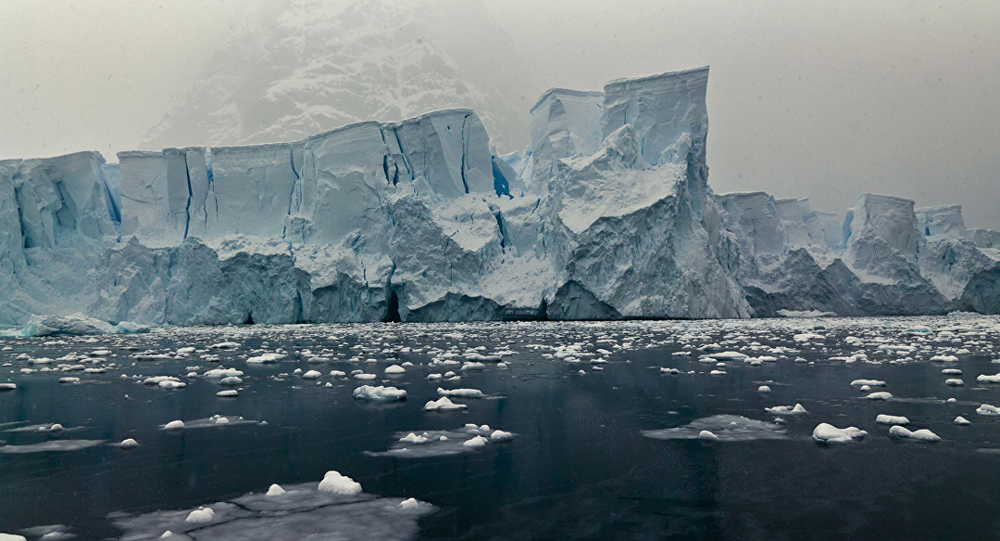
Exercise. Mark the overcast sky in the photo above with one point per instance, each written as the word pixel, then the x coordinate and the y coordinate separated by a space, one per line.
pixel 825 99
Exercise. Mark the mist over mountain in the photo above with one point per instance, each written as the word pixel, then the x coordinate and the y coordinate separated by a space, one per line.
pixel 307 66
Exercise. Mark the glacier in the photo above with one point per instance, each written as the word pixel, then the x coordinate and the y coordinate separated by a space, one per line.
pixel 606 214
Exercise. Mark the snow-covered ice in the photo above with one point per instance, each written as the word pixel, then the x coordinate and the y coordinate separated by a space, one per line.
pixel 827 433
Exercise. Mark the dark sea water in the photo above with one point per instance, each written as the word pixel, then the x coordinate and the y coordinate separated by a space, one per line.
pixel 592 455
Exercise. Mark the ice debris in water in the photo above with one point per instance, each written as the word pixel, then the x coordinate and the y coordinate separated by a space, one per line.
pixel 379 394
pixel 786 410
pixel 444 442
pixel 128 443
pixel 48 446
pixel 882 395
pixel 892 420
pixel 312 374
pixel 302 512
pixel 394 370
pixel 477 442
pixel 275 490
pixel 867 382
pixel 11 537
pixel 409 504
pixel 962 421
pixel 987 409
pixel 204 514
pixel 174 425
pixel 460 393
pixel 724 427
pixel 922 434
pixel 985 378
pixel 763 389
pixel 707 435
pixel 827 433
pixel 443 404
pixel 8 386
pixel 336 483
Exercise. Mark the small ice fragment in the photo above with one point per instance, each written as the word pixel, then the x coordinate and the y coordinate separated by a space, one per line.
pixel 56 428
pixel 944 359
pixel 221 421
pixel 409 504
pixel 892 420
pixel 581 373
pixel 413 439
pixel 171 384
pixel 336 483
pixel 461 393
pixel 312 374
pixel 987 409
pixel 364 377
pixel 298 372
pixel 717 373
pixel 338 373
pixel 275 490
pixel 865 388
pixel 954 382
pixel 986 378
pixel 951 372
pixel 204 514
pixel 763 389
pixel 827 433
pixel 923 434
pixel 174 425
pixel 379 394
pixel 500 435
pixel 69 380
pixel 11 537
pixel 394 370
pixel 477 442
pixel 962 421
pixel 228 394
pixel 879 396
pixel 473 366
pixel 786 410
pixel 707 435
pixel 8 386
pixel 443 404
pixel 167 534
pixel 128 443
pixel 951 401
pixel 868 382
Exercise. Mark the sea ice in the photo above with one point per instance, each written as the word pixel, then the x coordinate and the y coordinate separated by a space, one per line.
pixel 891 420
pixel 336 483
pixel 723 427
pixel 379 394
pixel 922 434
pixel 827 433
pixel 443 404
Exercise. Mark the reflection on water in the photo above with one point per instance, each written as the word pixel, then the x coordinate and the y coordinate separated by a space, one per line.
pixel 595 454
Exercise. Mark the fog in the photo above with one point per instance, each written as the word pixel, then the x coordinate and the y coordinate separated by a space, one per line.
pixel 818 99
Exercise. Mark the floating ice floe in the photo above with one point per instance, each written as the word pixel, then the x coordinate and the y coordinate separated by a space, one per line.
pixel 312 374
pixel 443 404
pixel 8 387
pixel 669 371
pixel 763 389
pixel 987 409
pixel 787 410
pixel 128 443
pixel 379 394
pixel 444 442
pixel 213 421
pixel 364 377
pixel 77 324
pixel 954 382
pixel 724 427
pixel 986 378
pixel 198 516
pixel 922 435
pixel 727 356
pixel 827 433
pixel 336 483
pixel 275 490
pixel 229 393
pixel 868 382
pixel 892 420
pixel 299 512
pixel 11 537
pixel 265 358
pixel 882 395
pixel 460 393
pixel 944 359
pixel 394 370
pixel 222 372
pixel 54 445
pixel 473 366
pixel 962 421
pixel 951 372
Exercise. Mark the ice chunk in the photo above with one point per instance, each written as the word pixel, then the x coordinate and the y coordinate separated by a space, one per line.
pixel 395 370
pixel 231 393
pixel 922 434
pixel 336 483
pixel 174 425
pixel 128 443
pixel 724 428
pixel 787 410
pixel 827 433
pixel 879 396
pixel 500 435
pixel 275 490
pixel 11 537
pixel 54 445
pixel 443 404
pixel 986 378
pixel 987 409
pixel 460 393
pixel 868 382
pixel 962 421
pixel 954 382
pixel 8 386
pixel 379 394
pixel 204 514
pixel 409 504
pixel 311 374
pixel 763 389
pixel 891 420
pixel 477 442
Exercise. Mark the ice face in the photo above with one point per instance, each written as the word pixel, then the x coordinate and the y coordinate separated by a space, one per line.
pixel 607 214
pixel 564 123
pixel 660 108
pixel 942 220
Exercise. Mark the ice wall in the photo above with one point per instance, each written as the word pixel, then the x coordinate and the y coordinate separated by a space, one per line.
pixel 607 214
pixel 564 123
pixel 660 109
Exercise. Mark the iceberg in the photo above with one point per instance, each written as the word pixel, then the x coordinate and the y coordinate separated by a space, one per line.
pixel 606 214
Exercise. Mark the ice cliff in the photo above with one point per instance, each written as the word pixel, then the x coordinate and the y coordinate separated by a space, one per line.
pixel 606 214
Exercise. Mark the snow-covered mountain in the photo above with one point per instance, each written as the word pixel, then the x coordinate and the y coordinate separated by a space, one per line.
pixel 308 66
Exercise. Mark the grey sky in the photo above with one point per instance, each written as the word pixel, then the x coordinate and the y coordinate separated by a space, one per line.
pixel 814 98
